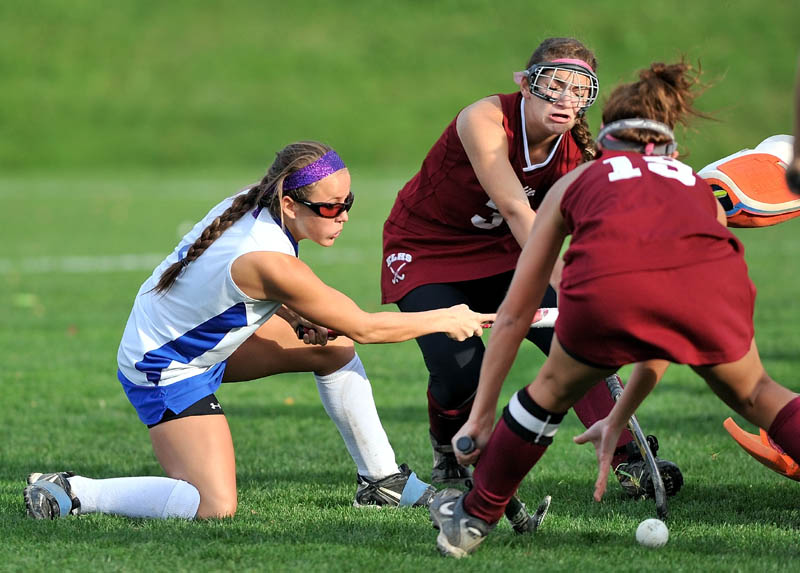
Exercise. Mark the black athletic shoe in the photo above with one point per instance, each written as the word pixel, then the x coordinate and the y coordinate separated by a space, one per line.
pixel 402 489
pixel 446 469
pixel 49 496
pixel 448 472
pixel 635 477
pixel 522 521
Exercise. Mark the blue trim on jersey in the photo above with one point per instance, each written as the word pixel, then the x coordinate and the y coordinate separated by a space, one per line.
pixel 288 234
pixel 192 344
pixel 151 402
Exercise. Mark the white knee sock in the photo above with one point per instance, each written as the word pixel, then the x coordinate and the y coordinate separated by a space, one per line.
pixel 347 397
pixel 146 496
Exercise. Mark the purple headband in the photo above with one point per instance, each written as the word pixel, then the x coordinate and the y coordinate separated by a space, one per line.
pixel 326 165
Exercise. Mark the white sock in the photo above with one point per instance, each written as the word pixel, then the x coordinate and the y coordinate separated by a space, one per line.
pixel 146 496
pixel 347 397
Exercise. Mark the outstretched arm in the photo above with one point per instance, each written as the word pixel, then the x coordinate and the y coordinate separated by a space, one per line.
pixel 285 279
pixel 644 377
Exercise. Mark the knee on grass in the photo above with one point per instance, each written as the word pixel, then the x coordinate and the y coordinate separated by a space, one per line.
pixel 218 507
pixel 183 501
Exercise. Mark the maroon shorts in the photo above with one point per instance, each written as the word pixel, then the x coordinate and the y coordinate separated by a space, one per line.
pixel 699 315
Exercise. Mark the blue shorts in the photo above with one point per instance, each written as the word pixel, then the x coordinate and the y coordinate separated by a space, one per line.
pixel 152 401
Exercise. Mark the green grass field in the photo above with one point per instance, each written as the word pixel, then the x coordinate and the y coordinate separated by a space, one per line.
pixel 64 410
pixel 122 123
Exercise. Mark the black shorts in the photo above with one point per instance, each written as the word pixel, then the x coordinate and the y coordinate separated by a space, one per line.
pixel 454 367
pixel 207 406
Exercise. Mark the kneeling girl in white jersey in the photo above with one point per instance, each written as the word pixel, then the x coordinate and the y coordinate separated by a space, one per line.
pixel 205 316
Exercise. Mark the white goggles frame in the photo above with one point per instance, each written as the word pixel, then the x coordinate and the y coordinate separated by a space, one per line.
pixel 607 140
pixel 566 87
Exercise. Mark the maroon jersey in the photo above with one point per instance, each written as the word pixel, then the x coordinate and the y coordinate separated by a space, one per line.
pixel 631 212
pixel 444 227
pixel 650 272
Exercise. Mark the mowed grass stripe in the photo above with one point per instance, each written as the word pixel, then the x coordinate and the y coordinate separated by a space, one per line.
pixel 131 262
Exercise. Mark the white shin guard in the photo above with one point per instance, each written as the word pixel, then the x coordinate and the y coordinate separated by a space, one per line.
pixel 347 397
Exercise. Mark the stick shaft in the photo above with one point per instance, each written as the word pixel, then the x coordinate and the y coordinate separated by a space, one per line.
pixel 659 490
pixel 544 318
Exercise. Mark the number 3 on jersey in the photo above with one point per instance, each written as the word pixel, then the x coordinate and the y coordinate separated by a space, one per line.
pixel 483 222
pixel 622 168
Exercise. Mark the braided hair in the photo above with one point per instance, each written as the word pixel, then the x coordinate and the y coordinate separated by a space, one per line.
pixel 267 193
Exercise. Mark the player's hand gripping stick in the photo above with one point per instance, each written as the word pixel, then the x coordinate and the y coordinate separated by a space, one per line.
pixel 465 445
pixel 301 330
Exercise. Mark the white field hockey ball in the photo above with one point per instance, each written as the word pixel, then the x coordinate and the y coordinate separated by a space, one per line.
pixel 652 533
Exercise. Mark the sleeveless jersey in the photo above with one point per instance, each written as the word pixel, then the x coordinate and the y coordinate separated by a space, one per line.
pixel 178 341
pixel 629 212
pixel 443 226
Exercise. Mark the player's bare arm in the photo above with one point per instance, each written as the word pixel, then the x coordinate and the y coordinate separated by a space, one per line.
pixel 276 276
pixel 480 127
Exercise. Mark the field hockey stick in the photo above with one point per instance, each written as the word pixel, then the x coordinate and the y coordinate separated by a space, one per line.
pixel 660 492
pixel 516 511
pixel 543 318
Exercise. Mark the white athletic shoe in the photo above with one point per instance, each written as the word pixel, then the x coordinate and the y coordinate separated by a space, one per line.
pixel 459 532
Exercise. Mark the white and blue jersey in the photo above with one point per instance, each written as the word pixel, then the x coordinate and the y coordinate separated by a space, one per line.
pixel 175 343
